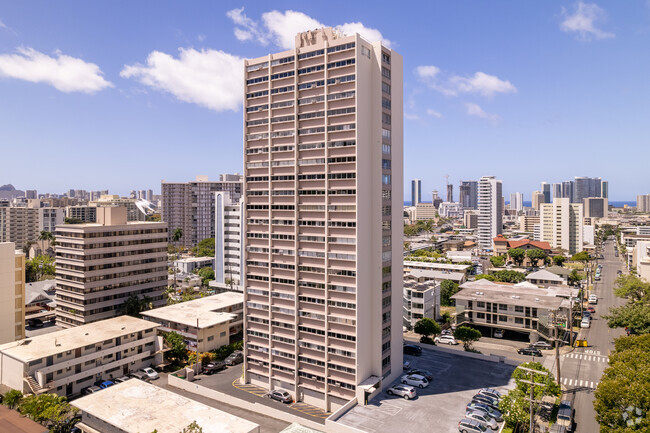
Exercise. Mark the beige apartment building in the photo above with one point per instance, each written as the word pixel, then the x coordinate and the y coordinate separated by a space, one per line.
pixel 323 156
pixel 99 265
pixel 64 362
pixel 133 213
pixel 561 224
pixel 12 293
pixel 19 225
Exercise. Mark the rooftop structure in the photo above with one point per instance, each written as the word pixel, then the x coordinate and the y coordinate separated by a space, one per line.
pixel 135 406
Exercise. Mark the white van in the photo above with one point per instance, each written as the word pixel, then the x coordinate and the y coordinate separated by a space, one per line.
pixel 585 322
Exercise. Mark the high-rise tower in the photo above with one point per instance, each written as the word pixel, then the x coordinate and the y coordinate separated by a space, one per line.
pixel 416 192
pixel 490 211
pixel 323 187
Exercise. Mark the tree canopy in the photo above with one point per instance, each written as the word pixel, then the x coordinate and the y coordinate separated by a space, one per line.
pixel 178 348
pixel 134 305
pixel 40 267
pixel 205 248
pixel 535 255
pixel 497 261
pixel 633 288
pixel 635 314
pixel 517 255
pixel 426 327
pixel 509 276
pixel 448 289
pixel 622 398
pixel 206 274
pixel 467 335
pixel 582 256
pixel 559 260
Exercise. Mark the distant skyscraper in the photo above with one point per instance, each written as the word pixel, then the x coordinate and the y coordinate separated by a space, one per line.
pixel 546 190
pixel 450 192
pixel 604 189
pixel 586 187
pixel 416 192
pixel 149 195
pixel 567 190
pixel 517 201
pixel 435 198
pixel 323 218
pixel 556 190
pixel 31 194
pixel 643 203
pixel 537 199
pixel 468 194
pixel 490 211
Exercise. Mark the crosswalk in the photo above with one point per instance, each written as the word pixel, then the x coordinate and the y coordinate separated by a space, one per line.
pixel 587 357
pixel 579 383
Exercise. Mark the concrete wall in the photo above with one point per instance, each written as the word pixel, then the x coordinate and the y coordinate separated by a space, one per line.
pixel 11 372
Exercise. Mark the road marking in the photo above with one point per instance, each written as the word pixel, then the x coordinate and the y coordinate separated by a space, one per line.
pixel 581 383
pixel 592 384
pixel 570 382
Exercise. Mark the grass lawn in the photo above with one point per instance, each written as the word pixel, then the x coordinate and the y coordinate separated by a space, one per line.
pixel 450 310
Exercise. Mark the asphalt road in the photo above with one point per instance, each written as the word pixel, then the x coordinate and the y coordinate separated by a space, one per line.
pixel 582 369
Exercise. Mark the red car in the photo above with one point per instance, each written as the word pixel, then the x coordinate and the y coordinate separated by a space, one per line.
pixel 592 310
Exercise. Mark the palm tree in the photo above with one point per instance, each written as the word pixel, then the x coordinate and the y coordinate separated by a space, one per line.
pixel 47 236
pixel 176 237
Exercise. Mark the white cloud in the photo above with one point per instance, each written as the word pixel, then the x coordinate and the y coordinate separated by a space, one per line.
pixel 433 113
pixel 65 73
pixel 3 25
pixel 409 116
pixel 583 22
pixel 476 110
pixel 209 78
pixel 451 85
pixel 282 27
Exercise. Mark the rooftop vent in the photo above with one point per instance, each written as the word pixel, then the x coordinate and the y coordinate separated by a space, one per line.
pixel 515 297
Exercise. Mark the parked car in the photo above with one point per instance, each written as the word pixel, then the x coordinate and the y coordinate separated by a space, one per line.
pixel 498 333
pixel 406 365
pixel 586 322
pixel 237 357
pixel 213 367
pixel 483 418
pixel 532 351
pixel 90 390
pixel 593 299
pixel 586 314
pixel 141 375
pixel 490 393
pixel 447 339
pixel 565 415
pixel 494 413
pixel 412 349
pixel 280 395
pixel 466 425
pixel 415 380
pixel 544 345
pixel 494 402
pixel 425 373
pixel 405 391
pixel 153 375
pixel 591 310
pixel 35 322
pixel 121 379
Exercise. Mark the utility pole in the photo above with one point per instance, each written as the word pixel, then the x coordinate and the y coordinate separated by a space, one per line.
pixel 555 317
pixel 532 384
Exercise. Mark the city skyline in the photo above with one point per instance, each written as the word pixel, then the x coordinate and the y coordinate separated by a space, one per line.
pixel 169 85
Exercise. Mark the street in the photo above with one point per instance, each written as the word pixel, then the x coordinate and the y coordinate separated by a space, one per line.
pixel 582 369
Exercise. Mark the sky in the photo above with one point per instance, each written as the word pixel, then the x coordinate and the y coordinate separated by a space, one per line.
pixel 120 95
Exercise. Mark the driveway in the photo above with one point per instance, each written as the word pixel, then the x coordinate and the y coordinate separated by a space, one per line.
pixel 438 407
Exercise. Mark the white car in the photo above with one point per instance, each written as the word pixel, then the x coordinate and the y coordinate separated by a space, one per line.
pixel 447 339
pixel 150 372
pixel 498 333
pixel 415 380
pixel 593 299
pixel 585 323
pixel 483 418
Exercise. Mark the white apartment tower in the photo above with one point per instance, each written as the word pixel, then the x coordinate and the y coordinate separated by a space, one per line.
pixel 228 255
pixel 490 211
pixel 517 201
pixel 561 224
pixel 323 156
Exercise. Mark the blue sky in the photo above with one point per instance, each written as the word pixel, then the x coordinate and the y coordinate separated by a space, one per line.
pixel 120 95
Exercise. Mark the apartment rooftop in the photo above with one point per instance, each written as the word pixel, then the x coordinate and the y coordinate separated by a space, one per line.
pixel 433 265
pixel 545 275
pixel 135 406
pixel 436 274
pixel 524 294
pixel 420 287
pixel 50 344
pixel 203 310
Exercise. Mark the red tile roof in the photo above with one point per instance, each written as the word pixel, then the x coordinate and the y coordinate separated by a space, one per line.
pixel 537 244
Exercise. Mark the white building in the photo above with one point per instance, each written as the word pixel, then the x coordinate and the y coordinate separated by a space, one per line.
pixel 50 217
pixel 490 211
pixel 136 406
pixel 187 265
pixel 216 317
pixel 517 201
pixel 450 210
pixel 64 362
pixel 561 224
pixel 228 256
pixel 421 299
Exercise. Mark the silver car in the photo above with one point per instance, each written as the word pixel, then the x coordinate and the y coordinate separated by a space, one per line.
pixel 483 418
pixel 405 391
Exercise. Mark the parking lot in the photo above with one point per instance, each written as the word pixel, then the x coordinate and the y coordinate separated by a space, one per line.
pixel 438 407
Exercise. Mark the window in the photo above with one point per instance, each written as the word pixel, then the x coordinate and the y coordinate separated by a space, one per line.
pixel 223 334
pixel 385 103
pixel 385 87
pixel 503 318
pixel 365 51
pixel 385 179
pixel 385 164
pixel 519 309
pixel 385 148
pixel 385 118
pixel 385 58
pixel 503 307
pixel 385 72
pixel 480 304
pixel 385 133
pixel 519 320
pixel 480 315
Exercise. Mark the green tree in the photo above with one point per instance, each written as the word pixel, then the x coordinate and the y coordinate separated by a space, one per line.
pixel 193 428
pixel 484 277
pixel 559 260
pixel 634 317
pixel 551 388
pixel 446 317
pixel 177 346
pixel 633 288
pixel 410 231
pixel 467 335
pixel 72 221
pixel 622 398
pixel 206 274
pixel 497 261
pixel 12 398
pixel 448 289
pixel 574 278
pixel 509 276
pixel 177 235
pixel 39 267
pixel 50 410
pixel 515 409
pixel 46 236
pixel 426 327
pixel 134 305
pixel 517 255
pixel 205 248
pixel 582 256
pixel 535 255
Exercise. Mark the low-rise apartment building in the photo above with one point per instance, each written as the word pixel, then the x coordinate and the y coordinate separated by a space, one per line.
pixel 216 318
pixel 545 278
pixel 64 362
pixel 521 307
pixel 410 265
pixel 83 213
pixel 187 265
pixel 425 211
pixel 421 299
pixel 49 218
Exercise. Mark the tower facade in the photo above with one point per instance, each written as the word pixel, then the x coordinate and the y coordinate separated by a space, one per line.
pixel 490 211
pixel 323 187
pixel 416 192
